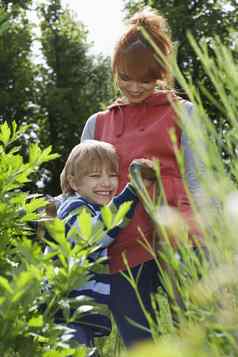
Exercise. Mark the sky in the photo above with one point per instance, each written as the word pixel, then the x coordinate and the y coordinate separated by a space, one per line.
pixel 103 19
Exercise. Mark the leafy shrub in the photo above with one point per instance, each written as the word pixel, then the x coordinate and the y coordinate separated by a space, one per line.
pixel 29 279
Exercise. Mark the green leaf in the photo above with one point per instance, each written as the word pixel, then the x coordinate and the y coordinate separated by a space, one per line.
pixel 36 321
pixel 34 153
pixel 85 224
pixel 35 204
pixel 107 217
pixel 5 285
pixel 38 156
pixel 56 230
pixel 79 352
pixel 2 300
pixel 122 211
pixel 4 22
pixel 5 133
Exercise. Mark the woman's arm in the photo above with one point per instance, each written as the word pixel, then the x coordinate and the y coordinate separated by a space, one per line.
pixel 89 128
pixel 194 167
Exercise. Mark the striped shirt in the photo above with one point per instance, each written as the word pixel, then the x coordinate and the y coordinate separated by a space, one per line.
pixel 98 287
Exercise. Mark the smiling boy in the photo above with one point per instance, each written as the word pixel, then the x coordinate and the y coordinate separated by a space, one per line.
pixel 89 181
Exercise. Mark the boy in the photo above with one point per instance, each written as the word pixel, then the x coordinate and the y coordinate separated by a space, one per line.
pixel 89 181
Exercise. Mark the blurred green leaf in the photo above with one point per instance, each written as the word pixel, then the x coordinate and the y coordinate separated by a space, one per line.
pixel 85 224
pixel 36 321
pixel 5 133
pixel 107 217
pixel 5 285
pixel 121 212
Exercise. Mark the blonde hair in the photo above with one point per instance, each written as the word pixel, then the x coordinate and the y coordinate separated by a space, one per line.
pixel 86 157
pixel 134 56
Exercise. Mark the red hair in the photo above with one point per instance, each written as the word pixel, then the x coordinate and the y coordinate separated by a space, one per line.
pixel 133 54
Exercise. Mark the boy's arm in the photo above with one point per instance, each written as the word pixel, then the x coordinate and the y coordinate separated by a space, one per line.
pixel 131 194
pixel 71 209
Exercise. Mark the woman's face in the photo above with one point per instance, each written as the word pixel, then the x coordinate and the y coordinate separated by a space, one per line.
pixel 135 91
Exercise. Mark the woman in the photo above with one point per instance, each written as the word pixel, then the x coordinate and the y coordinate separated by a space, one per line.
pixel 138 125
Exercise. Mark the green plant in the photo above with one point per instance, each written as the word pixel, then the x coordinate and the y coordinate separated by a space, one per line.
pixel 26 329
pixel 35 283
pixel 201 289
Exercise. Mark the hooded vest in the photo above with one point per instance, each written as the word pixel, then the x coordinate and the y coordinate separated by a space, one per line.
pixel 143 131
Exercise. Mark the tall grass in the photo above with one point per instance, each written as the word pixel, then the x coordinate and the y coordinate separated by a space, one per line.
pixel 202 292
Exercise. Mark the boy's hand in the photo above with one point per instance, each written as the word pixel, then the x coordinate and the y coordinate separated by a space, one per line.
pixel 144 182
pixel 51 210
pixel 144 169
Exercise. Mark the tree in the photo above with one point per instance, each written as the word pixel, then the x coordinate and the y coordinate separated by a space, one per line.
pixel 74 84
pixel 17 72
pixel 15 4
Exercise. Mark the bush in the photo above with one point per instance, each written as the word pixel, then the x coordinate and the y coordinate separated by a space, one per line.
pixel 29 279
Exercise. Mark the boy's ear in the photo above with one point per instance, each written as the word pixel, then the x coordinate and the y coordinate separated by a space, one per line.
pixel 72 182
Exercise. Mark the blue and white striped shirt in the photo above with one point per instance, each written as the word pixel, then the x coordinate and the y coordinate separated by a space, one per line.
pixel 69 210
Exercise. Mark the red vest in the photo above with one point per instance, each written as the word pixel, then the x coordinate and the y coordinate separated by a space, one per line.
pixel 142 131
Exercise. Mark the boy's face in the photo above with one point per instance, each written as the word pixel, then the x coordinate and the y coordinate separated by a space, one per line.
pixel 98 186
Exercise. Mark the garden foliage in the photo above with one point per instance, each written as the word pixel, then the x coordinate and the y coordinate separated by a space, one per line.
pixel 35 285
pixel 200 316
pixel 32 288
